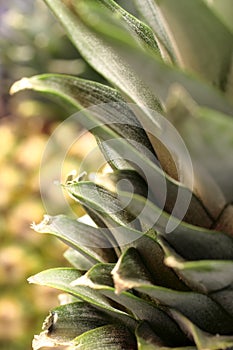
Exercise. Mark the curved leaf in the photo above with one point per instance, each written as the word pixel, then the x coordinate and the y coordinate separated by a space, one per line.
pixel 199 308
pixel 158 75
pixel 137 28
pixel 61 278
pixel 176 192
pixel 67 322
pixel 190 242
pixel 89 241
pixel 152 15
pixel 77 260
pixel 203 340
pixel 163 326
pixel 111 337
pixel 203 44
pixel 130 271
pixel 98 53
pixel 208 136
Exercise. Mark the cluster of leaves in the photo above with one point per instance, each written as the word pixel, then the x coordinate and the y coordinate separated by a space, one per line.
pixel 159 289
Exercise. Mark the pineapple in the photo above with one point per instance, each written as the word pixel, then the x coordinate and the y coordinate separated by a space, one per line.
pixel 152 266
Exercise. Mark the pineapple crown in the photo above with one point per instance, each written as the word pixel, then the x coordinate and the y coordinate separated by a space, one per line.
pixel 147 274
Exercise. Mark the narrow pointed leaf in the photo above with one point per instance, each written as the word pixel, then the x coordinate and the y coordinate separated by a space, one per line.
pixel 111 337
pixel 77 260
pixel 97 53
pixel 61 278
pixel 199 308
pixel 202 339
pixel 135 154
pixel 153 257
pixel 190 242
pixel 137 28
pixel 130 271
pixel 68 322
pixel 152 15
pixel 87 240
pixel 163 326
pixel 193 26
pixel 77 94
pixel 159 76
pixel 205 275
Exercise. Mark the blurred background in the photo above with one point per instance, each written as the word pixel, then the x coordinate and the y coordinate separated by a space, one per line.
pixel 31 42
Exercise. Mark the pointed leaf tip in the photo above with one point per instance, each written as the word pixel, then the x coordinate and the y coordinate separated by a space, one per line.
pixel 20 85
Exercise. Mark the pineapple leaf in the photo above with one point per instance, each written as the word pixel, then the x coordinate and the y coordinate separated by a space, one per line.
pixel 202 339
pixel 130 271
pixel 111 337
pixel 189 241
pixel 138 151
pixel 67 322
pixel 121 180
pixel 193 26
pixel 89 241
pixel 102 202
pixel 152 256
pixel 78 260
pixel 138 29
pixel 225 299
pixel 62 278
pixel 208 136
pixel 157 75
pixel 101 274
pixel 203 275
pixel 148 340
pixel 102 57
pixel 162 324
pixel 199 308
pixel 78 94
pixel 151 13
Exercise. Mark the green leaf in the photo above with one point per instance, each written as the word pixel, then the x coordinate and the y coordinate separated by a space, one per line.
pixel 101 274
pixel 67 322
pixel 78 94
pixel 123 180
pixel 176 192
pixel 148 340
pixel 202 339
pixel 62 278
pixel 130 271
pixel 110 337
pixel 208 136
pixel 101 56
pixel 163 326
pixel 225 299
pixel 89 241
pixel 153 256
pixel 152 15
pixel 190 242
pixel 138 29
pixel 106 207
pixel 77 259
pixel 159 76
pixel 199 308
pixel 203 275
pixel 193 26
